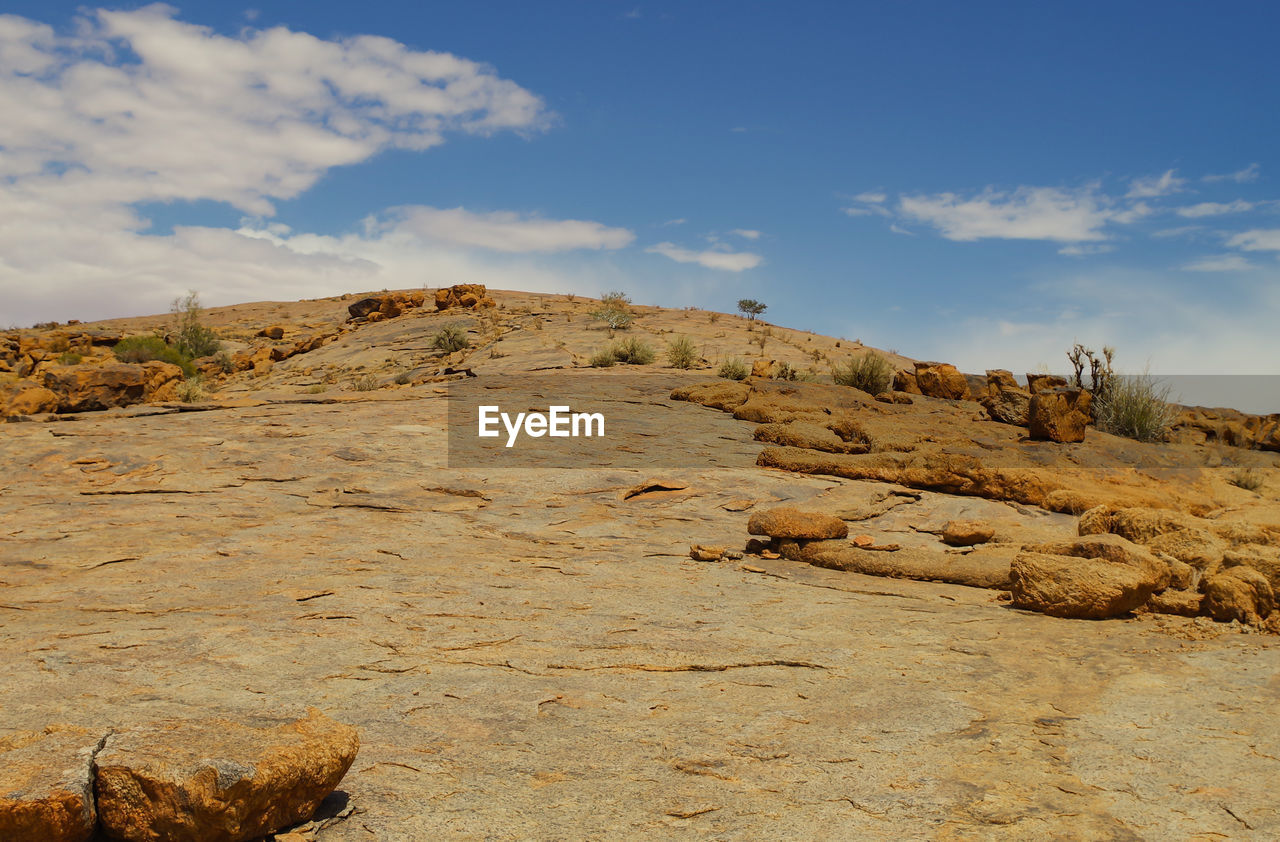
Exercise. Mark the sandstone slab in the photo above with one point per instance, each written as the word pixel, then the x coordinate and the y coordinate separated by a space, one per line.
pixel 46 785
pixel 1083 588
pixel 787 522
pixel 219 780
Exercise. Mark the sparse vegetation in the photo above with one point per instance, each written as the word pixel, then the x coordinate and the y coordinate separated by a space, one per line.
pixel 751 308
pixel 366 382
pixel 682 353
pixel 603 358
pixel 616 299
pixel 634 351
pixel 867 371
pixel 734 368
pixel 615 312
pixel 403 378
pixel 450 338
pixel 192 337
pixel 1247 478
pixel 713 317
pixel 191 390
pixel 224 361
pixel 70 358
pixel 144 348
pixel 786 371
pixel 316 388
pixel 1135 407
pixel 761 340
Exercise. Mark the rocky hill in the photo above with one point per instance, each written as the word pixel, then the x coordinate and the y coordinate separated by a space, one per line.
pixel 776 607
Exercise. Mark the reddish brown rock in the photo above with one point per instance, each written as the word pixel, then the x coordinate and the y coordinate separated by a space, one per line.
pixel 218 780
pixel 1182 536
pixel 46 785
pixel 1084 588
pixel 941 380
pixel 764 368
pixel 1005 401
pixel 786 522
pixel 1037 383
pixel 1112 548
pixel 704 552
pixel 1178 602
pixel 725 395
pixel 1060 415
pixel 273 332
pixel 905 381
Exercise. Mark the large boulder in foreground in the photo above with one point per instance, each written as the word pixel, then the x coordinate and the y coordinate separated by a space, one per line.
pixel 786 522
pixel 46 785
pixel 1083 588
pixel 1238 593
pixel 1059 415
pixel 1115 549
pixel 218 780
pixel 26 398
pixel 85 388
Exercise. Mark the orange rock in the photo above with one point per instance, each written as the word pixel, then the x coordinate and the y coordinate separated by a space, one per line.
pixel 1085 588
pixel 26 398
pixel 468 296
pixel 1060 415
pixel 787 522
pixel 941 380
pixel 273 332
pixel 218 780
pixel 46 785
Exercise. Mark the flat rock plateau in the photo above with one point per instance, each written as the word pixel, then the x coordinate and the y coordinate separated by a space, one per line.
pixel 530 652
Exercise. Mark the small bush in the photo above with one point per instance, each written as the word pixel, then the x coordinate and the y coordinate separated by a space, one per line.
pixel 616 299
pixel 315 389
pixel 1247 478
pixel 633 350
pixel 364 382
pixel 1136 407
pixel 713 317
pixel 402 378
pixel 603 358
pixel 192 337
pixel 450 338
pixel 191 390
pixel 786 371
pixel 224 361
pixel 615 316
pixel 141 349
pixel 734 368
pixel 869 372
pixel 682 353
pixel 70 358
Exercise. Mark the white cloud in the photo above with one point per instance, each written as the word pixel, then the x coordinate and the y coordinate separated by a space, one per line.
pixel 898 229
pixel 1220 263
pixel 1028 213
pixel 746 233
pixel 504 230
pixel 1182 231
pixel 137 107
pixel 680 221
pixel 1080 250
pixel 1248 174
pixel 1214 209
pixel 711 259
pixel 1153 186
pixel 872 198
pixel 1258 239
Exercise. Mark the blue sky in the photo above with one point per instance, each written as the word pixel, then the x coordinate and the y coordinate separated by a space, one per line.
pixel 983 183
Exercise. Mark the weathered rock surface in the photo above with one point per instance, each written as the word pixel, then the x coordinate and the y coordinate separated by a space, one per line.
pixel 1184 537
pixel 1005 401
pixel 809 435
pixel 26 398
pixel 1084 588
pixel 1181 603
pixel 46 785
pixel 966 533
pixel 975 570
pixel 1114 549
pixel 82 388
pixel 1059 415
pixel 466 296
pixel 941 380
pixel 219 780
pixel 1238 593
pixel 788 522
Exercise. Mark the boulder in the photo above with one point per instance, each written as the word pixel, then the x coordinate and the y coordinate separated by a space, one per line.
pixel 83 388
pixel 1266 560
pixel 1112 548
pixel 998 378
pixel 966 533
pixel 787 522
pixel 26 398
pixel 704 552
pixel 1182 536
pixel 725 395
pixel 764 368
pixel 218 780
pixel 274 332
pixel 1083 588
pixel 905 381
pixel 978 569
pixel 941 380
pixel 1037 383
pixel 1183 603
pixel 1238 593
pixel 1059 415
pixel 467 296
pixel 1006 403
pixel 809 435
pixel 46 785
